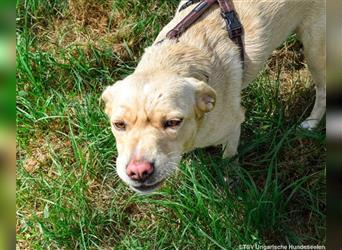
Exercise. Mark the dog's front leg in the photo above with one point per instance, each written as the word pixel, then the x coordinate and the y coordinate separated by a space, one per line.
pixel 230 147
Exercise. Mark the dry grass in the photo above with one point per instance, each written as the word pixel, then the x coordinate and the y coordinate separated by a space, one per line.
pixel 99 24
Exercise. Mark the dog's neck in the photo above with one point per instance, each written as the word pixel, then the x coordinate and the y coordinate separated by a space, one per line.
pixel 176 57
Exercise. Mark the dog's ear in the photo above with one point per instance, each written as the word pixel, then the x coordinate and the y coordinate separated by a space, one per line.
pixel 205 95
pixel 107 97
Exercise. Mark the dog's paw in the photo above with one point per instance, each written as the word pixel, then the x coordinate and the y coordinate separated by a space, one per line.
pixel 308 124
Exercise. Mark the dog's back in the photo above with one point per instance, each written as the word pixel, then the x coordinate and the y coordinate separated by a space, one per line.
pixel 266 24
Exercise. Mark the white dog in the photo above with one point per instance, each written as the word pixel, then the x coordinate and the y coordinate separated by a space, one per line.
pixel 185 93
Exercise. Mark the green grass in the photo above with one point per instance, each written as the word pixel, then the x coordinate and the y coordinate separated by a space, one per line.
pixel 68 194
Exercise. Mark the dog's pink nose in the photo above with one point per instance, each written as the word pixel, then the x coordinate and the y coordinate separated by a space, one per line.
pixel 139 171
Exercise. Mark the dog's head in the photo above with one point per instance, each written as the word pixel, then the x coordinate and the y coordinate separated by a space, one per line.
pixel 154 119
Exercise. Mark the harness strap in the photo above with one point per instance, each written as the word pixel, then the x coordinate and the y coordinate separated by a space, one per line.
pixel 187 4
pixel 233 24
pixel 228 13
pixel 189 19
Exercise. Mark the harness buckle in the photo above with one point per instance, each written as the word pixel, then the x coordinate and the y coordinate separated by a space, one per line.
pixel 233 24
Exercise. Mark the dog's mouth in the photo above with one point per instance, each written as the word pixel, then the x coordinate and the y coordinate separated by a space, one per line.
pixel 148 188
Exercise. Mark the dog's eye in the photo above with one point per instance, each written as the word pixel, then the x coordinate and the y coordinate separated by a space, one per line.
pixel 173 123
pixel 119 125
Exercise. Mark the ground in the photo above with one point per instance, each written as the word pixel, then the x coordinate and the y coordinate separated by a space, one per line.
pixel 68 194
